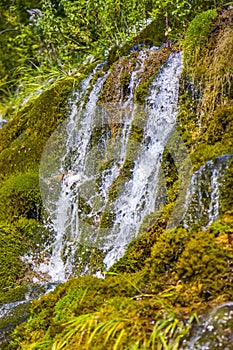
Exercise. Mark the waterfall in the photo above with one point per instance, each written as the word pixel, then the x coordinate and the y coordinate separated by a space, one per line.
pixel 99 171
pixel 202 205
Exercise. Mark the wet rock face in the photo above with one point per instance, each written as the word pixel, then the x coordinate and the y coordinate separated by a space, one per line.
pixel 215 332
pixel 3 122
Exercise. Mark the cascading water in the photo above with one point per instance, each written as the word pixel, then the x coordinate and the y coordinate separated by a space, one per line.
pixel 202 204
pixel 138 198
pixel 99 185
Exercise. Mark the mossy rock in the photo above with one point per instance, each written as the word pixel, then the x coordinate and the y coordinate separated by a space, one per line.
pixel 12 248
pixel 18 238
pixel 221 126
pixel 197 35
pixel 226 190
pixel 24 137
pixel 20 197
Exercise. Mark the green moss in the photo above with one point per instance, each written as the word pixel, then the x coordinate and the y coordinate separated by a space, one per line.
pixel 96 304
pixel 11 249
pixel 10 295
pixel 151 35
pixel 181 270
pixel 220 128
pixel 17 239
pixel 89 260
pixel 166 251
pixel 8 322
pixel 116 87
pixel 205 152
pixel 24 137
pixel 139 249
pixel 197 35
pixel 20 197
pixel 107 219
pixel 205 117
pixel 206 262
pixel 226 190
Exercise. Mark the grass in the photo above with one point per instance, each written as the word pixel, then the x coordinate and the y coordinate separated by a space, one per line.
pixel 95 330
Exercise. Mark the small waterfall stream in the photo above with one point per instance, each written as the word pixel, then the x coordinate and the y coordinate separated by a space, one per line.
pixel 202 203
pixel 138 198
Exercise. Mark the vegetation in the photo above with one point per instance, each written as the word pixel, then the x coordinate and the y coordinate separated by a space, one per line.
pixel 62 34
pixel 183 272
pixel 149 298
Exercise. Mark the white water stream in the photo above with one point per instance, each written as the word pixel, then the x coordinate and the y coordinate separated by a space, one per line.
pixel 202 205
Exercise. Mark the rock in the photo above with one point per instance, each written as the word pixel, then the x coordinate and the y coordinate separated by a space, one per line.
pixel 215 331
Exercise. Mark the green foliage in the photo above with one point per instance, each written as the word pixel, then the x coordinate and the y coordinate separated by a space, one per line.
pixel 197 35
pixel 62 34
pixel 17 41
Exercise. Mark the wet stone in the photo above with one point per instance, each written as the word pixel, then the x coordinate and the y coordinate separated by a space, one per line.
pixel 215 332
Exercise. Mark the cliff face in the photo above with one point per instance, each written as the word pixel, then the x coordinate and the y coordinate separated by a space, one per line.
pixel 175 258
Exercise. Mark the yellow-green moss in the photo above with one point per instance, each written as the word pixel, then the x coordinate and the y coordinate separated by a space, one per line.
pixel 182 272
pixel 197 35
pixel 24 137
pixel 20 197
pixel 205 117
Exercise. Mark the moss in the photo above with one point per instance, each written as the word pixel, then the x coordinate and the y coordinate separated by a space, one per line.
pixel 18 239
pixel 116 87
pixel 166 251
pixel 205 152
pixel 191 269
pixel 10 295
pixel 11 249
pixel 20 197
pixel 205 117
pixel 220 128
pixel 226 190
pixel 192 263
pixel 151 35
pixel 197 35
pixel 8 322
pixel 206 262
pixel 109 302
pixel 139 249
pixel 171 175
pixel 24 137
pixel 89 260
pixel 107 219
pixel 195 269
